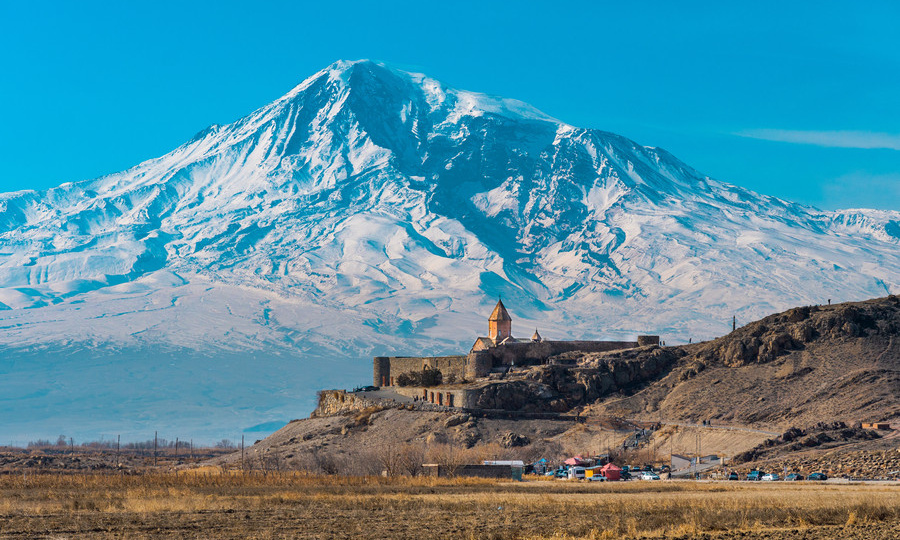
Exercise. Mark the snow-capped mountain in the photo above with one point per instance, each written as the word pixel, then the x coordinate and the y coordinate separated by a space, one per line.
pixel 369 211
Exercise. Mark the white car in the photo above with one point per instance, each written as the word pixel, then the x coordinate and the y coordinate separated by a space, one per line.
pixel 770 477
pixel 648 475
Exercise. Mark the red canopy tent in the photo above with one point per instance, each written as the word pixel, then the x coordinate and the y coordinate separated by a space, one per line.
pixel 577 461
pixel 611 472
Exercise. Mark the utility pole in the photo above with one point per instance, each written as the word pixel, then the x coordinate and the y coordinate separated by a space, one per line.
pixel 733 323
pixel 699 452
pixel 118 447
pixel 242 453
pixel 672 448
pixel 155 446
pixel 176 448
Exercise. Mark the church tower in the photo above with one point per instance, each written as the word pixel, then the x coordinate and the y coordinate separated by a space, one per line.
pixel 499 323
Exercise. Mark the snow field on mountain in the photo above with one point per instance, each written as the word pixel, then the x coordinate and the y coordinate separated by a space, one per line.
pixel 371 211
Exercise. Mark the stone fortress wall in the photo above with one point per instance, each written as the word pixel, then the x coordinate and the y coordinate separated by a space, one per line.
pixel 387 368
pixel 480 363
pixel 466 398
pixel 333 402
pixel 498 350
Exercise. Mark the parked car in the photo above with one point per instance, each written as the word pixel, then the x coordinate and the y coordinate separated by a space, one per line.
pixel 561 472
pixel 817 476
pixel 649 475
pixel 755 475
pixel 771 477
pixel 793 477
pixel 647 468
pixel 733 476
pixel 597 477
pixel 625 475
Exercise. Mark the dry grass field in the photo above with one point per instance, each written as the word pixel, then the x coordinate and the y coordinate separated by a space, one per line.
pixel 210 504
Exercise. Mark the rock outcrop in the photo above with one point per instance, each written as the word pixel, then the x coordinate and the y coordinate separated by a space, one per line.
pixel 767 339
pixel 573 379
pixel 795 439
pixel 335 402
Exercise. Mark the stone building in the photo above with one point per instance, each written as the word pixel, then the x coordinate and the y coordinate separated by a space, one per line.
pixel 497 351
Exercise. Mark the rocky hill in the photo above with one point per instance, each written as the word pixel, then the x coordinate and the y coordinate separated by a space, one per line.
pixel 789 373
pixel 800 367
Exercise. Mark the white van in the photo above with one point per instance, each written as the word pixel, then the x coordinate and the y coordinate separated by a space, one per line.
pixel 576 473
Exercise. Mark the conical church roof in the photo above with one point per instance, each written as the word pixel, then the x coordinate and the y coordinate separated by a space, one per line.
pixel 500 313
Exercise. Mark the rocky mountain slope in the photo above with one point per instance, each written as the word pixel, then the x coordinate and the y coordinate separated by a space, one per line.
pixel 797 368
pixel 369 211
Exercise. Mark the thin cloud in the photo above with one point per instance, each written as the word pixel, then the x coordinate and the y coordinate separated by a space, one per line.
pixel 834 139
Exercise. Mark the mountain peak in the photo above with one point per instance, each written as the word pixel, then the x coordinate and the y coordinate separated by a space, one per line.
pixel 371 209
pixel 483 183
pixel 369 76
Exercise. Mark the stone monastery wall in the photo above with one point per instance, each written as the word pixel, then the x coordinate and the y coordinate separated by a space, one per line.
pixel 537 352
pixel 387 368
pixel 480 363
pixel 487 355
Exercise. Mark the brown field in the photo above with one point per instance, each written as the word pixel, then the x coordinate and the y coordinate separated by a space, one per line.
pixel 211 504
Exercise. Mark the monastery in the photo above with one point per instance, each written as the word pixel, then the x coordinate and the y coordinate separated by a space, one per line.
pixel 497 351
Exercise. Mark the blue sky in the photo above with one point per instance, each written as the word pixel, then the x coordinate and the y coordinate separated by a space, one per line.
pixel 797 100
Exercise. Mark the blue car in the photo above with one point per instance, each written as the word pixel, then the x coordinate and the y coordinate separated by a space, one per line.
pixel 755 475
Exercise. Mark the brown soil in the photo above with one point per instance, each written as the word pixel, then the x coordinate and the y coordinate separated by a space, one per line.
pixel 79 460
pixel 708 440
pixel 312 522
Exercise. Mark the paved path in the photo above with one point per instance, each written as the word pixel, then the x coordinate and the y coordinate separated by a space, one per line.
pixel 385 393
